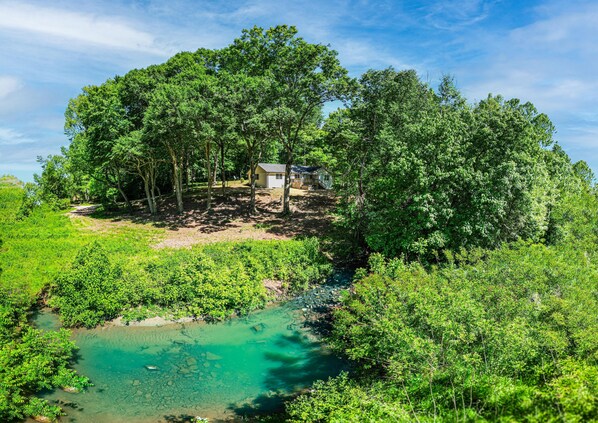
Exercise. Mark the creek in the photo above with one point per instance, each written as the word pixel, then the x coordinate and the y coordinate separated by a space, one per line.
pixel 222 371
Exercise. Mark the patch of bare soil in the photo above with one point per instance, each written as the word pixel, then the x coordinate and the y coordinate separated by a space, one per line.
pixel 228 219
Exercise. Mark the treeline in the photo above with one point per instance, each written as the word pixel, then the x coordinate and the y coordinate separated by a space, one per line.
pixel 418 171
pixel 507 335
pixel 199 116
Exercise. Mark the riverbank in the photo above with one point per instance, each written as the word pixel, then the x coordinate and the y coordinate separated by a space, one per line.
pixel 224 371
pixel 315 304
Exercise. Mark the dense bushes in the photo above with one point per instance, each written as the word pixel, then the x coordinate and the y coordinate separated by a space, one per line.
pixel 512 335
pixel 30 360
pixel 420 172
pixel 91 291
pixel 213 281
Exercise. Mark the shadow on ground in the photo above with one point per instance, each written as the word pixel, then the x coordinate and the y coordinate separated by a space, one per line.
pixel 310 212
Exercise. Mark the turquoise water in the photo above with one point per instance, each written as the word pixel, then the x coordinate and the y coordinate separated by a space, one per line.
pixel 218 371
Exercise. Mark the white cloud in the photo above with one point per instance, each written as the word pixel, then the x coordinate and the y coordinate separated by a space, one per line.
pixel 9 85
pixel 453 15
pixel 552 62
pixel 9 136
pixel 365 54
pixel 85 28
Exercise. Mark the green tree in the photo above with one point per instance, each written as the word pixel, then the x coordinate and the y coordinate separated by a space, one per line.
pixel 56 181
pixel 166 123
pixel 421 172
pixel 304 76
pixel 96 119
pixel 250 102
pixel 141 158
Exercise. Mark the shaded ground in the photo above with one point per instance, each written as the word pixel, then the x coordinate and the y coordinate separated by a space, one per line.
pixel 228 219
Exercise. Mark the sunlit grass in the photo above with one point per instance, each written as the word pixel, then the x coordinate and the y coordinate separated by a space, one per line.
pixel 37 248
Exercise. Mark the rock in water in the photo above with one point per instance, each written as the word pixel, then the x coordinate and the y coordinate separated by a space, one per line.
pixel 258 328
pixel 151 367
pixel 212 357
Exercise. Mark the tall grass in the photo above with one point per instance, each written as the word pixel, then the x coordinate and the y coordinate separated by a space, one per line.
pixel 35 249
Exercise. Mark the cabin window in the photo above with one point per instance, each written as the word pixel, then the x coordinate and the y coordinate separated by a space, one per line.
pixel 257 176
pixel 279 176
pixel 297 176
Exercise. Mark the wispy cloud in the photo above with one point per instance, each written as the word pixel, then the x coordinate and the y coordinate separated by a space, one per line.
pixel 9 136
pixel 9 85
pixel 453 15
pixel 81 28
pixel 366 55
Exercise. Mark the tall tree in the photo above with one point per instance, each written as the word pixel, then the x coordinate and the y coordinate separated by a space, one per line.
pixel 249 100
pixel 166 124
pixel 304 76
pixel 143 159
pixel 99 118
pixel 428 172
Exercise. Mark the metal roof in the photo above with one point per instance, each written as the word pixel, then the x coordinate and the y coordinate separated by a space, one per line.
pixel 280 168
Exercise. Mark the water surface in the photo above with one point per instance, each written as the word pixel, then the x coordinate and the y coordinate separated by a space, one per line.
pixel 219 371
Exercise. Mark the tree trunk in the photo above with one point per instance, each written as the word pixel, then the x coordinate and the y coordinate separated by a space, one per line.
pixel 178 187
pixel 222 171
pixel 153 176
pixel 177 183
pixel 122 192
pixel 148 195
pixel 210 180
pixel 286 201
pixel 252 169
pixel 215 168
pixel 187 171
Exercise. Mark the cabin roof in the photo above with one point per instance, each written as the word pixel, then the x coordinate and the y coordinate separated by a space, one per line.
pixel 280 168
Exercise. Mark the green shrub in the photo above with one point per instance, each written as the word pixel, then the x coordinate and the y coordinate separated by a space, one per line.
pixel 91 291
pixel 34 360
pixel 213 281
pixel 508 335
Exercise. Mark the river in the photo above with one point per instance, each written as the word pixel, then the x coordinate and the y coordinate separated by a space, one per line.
pixel 221 371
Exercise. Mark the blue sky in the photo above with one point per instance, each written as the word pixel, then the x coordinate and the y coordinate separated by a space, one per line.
pixel 545 52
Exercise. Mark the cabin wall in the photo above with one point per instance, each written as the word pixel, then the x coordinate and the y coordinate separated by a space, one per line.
pixel 273 182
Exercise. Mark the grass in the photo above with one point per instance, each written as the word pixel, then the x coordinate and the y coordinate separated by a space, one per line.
pixel 36 249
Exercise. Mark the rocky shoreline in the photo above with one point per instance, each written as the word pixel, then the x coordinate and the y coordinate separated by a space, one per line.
pixel 315 304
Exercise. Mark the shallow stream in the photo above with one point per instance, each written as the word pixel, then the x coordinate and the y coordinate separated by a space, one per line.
pixel 166 374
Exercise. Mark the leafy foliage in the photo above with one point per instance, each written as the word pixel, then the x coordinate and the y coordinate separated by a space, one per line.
pixel 213 281
pixel 30 360
pixel 421 172
pixel 509 334
pixel 90 292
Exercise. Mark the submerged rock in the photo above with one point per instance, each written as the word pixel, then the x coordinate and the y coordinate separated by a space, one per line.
pixel 258 328
pixel 151 367
pixel 212 357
